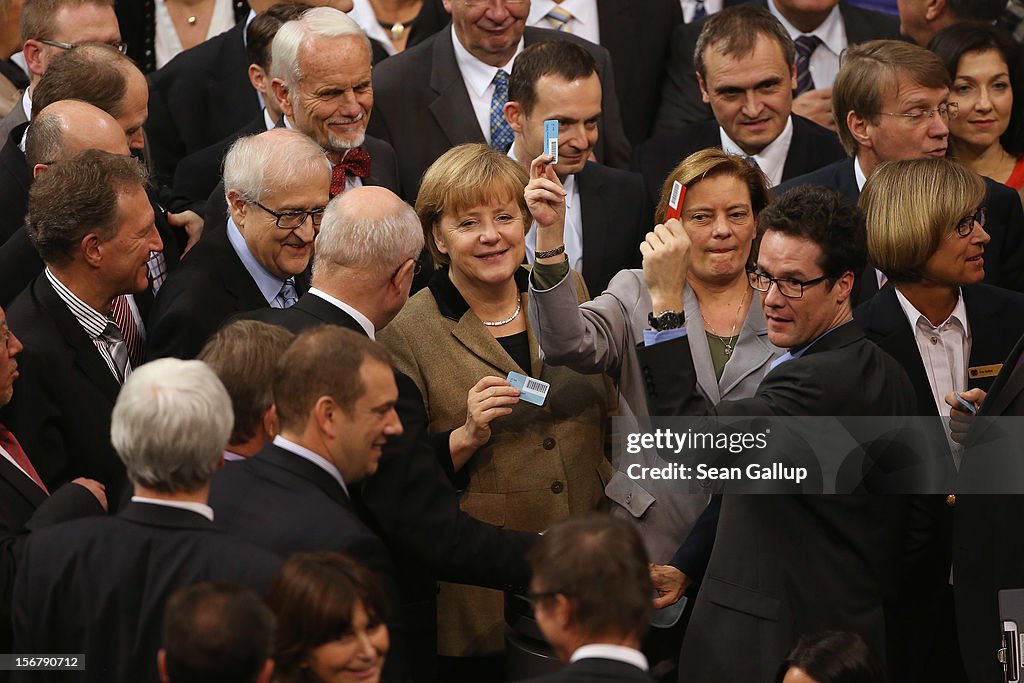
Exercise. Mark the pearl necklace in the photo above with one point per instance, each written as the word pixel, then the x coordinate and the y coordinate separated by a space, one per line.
pixel 506 321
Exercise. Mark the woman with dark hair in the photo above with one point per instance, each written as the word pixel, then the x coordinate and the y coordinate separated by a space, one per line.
pixel 330 621
pixel 831 657
pixel 983 136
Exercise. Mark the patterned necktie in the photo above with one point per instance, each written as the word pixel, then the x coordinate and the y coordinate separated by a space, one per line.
pixel 14 449
pixel 288 295
pixel 559 18
pixel 805 47
pixel 753 162
pixel 118 351
pixel 501 131
pixel 356 162
pixel 128 329
pixel 157 267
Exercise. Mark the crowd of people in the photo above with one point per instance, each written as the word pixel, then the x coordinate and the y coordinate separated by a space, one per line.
pixel 316 315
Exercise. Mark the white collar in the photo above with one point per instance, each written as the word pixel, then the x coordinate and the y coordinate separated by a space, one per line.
pixel 477 75
pixel 914 316
pixel 363 321
pixel 858 173
pixel 619 653
pixel 568 183
pixel 772 159
pixel 832 31
pixel 315 458
pixel 198 508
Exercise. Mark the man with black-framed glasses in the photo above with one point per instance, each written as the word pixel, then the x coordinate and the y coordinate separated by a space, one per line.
pixel 276 189
pixel 784 565
pixel 48 29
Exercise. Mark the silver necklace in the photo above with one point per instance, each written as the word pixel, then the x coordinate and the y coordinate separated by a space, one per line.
pixel 506 321
pixel 730 341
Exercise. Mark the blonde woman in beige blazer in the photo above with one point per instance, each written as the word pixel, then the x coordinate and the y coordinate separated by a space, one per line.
pixel 519 465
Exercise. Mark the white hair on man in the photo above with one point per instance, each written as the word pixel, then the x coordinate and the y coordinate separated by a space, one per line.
pixel 368 229
pixel 319 22
pixel 257 164
pixel 170 425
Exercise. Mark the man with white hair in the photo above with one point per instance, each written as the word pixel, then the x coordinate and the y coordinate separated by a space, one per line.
pixel 321 68
pixel 97 586
pixel 276 188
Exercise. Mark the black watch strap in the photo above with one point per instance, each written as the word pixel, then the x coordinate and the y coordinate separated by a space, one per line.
pixel 666 320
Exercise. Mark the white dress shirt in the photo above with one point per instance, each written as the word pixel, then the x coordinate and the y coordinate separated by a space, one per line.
pixel 168 43
pixel 315 458
pixel 351 181
pixel 858 173
pixel 573 235
pixel 825 60
pixel 772 159
pixel 690 8
pixel 584 17
pixel 363 321
pixel 362 13
pixel 198 508
pixel 619 653
pixel 478 78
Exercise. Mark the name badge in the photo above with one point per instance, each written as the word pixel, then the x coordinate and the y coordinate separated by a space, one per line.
pixel 982 371
pixel 530 390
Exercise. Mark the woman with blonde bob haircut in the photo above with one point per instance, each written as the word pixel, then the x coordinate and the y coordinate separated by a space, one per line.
pixel 724 322
pixel 926 234
pixel 519 465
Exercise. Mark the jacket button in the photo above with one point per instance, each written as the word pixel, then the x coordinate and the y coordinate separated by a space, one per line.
pixel 549 443
pixel 629 498
pixel 557 487
pixel 951 500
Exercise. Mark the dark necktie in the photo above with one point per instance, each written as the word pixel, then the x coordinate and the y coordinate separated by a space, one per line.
pixel 805 47
pixel 14 449
pixel 288 295
pixel 700 10
pixel 356 162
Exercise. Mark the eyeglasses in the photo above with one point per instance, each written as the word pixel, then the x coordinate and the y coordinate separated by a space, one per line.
pixel 946 111
pixel 416 268
pixel 481 3
pixel 966 225
pixel 118 45
pixel 292 220
pixel 788 287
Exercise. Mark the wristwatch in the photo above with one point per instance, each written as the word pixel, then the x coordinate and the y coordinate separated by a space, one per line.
pixel 666 320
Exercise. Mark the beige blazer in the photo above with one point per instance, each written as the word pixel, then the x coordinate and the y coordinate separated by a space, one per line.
pixel 543 463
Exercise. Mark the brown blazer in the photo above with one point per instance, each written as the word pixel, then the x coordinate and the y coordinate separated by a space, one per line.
pixel 543 463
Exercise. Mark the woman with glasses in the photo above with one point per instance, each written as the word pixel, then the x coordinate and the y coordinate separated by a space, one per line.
pixel 521 460
pixel 728 338
pixel 330 621
pixel 980 60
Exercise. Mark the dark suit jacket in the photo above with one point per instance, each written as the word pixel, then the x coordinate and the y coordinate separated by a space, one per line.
pixel 422 108
pixel 199 172
pixel 1004 255
pixel 637 35
pixel 681 101
pixel 24 507
pixel 595 670
pixel 288 505
pixel 99 585
pixel 210 285
pixel 810 148
pixel 767 583
pixel 383 172
pixel 15 178
pixel 61 409
pixel 614 223
pixel 201 96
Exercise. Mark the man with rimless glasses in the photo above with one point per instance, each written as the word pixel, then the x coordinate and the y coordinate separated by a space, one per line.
pixel 276 185
pixel 786 564
pixel 890 103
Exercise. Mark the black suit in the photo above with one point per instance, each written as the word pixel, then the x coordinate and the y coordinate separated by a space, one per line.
pixel 15 178
pixel 286 504
pixel 383 173
pixel 201 96
pixel 410 503
pixel 422 108
pixel 99 585
pixel 784 565
pixel 614 220
pixel 61 409
pixel 199 172
pixel 209 286
pixel 681 101
pixel 1004 254
pixel 595 670
pixel 24 507
pixel 810 148
pixel 637 35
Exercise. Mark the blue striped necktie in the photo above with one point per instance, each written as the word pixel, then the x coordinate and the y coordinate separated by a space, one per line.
pixel 805 47
pixel 501 131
